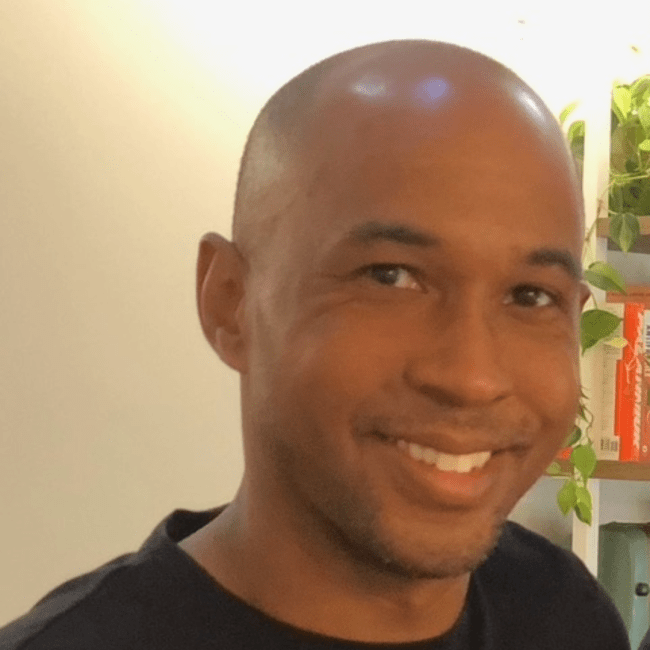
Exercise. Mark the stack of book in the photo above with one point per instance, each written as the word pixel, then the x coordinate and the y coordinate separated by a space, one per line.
pixel 621 429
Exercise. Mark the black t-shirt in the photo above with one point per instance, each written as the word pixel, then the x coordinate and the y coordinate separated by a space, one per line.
pixel 528 595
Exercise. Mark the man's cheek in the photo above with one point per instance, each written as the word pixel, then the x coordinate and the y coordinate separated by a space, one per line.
pixel 555 378
pixel 341 360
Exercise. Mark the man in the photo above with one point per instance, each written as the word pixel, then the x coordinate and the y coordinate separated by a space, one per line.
pixel 401 299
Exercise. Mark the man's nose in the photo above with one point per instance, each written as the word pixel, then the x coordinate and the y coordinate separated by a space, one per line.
pixel 465 360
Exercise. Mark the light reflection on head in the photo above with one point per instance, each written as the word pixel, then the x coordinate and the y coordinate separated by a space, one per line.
pixel 428 93
pixel 529 103
pixel 432 91
pixel 371 87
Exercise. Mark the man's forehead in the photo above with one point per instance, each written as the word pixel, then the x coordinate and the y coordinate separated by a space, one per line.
pixel 385 126
pixel 370 108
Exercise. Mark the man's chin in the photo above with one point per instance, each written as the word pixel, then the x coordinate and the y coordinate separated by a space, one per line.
pixel 446 563
pixel 433 561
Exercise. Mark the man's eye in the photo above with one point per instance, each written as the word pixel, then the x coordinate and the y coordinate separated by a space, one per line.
pixel 529 296
pixel 392 275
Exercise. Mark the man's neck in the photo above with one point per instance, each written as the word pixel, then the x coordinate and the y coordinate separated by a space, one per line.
pixel 268 567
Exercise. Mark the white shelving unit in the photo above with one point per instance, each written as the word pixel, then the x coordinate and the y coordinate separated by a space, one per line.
pixel 595 179
pixel 595 182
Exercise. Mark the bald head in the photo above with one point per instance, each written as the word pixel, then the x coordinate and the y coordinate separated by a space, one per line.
pixel 423 90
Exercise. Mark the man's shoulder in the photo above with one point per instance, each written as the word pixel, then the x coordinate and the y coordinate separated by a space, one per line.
pixel 530 584
pixel 111 605
pixel 68 606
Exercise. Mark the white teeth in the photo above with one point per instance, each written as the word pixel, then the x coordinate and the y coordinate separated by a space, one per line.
pixel 445 462
pixel 416 451
pixel 430 456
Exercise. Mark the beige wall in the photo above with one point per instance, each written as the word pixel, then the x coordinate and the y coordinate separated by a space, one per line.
pixel 119 147
pixel 113 411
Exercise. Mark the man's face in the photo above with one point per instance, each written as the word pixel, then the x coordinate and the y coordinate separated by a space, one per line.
pixel 417 319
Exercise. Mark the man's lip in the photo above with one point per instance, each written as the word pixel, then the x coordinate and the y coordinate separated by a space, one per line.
pixel 458 446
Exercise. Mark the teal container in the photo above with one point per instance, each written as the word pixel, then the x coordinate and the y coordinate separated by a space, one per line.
pixel 624 572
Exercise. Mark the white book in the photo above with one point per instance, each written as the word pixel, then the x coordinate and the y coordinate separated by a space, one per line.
pixel 606 442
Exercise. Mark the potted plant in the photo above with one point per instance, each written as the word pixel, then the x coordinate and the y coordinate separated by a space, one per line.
pixel 629 200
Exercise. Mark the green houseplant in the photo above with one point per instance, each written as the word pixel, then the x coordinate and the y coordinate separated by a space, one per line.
pixel 628 198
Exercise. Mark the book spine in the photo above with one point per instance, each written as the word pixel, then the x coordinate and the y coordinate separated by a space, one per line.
pixel 607 443
pixel 635 293
pixel 629 371
pixel 604 432
pixel 644 453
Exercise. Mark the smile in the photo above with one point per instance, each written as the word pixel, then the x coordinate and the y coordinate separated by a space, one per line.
pixel 461 464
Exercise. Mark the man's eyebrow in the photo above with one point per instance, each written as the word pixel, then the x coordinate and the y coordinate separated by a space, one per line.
pixel 372 231
pixel 556 257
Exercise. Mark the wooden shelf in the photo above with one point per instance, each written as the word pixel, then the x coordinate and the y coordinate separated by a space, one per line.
pixel 612 469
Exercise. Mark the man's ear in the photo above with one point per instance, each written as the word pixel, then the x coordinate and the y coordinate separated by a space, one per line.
pixel 220 276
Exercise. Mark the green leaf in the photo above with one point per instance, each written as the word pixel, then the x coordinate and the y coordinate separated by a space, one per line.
pixel 615 195
pixel 573 437
pixel 645 145
pixel 617 116
pixel 631 195
pixel 596 324
pixel 644 116
pixel 583 496
pixel 566 497
pixel 604 276
pixel 624 229
pixel 584 460
pixel 567 111
pixel 619 147
pixel 622 101
pixel 576 130
pixel 643 205
pixel 637 136
pixel 640 90
pixel 583 512
pixel 616 342
pixel 554 469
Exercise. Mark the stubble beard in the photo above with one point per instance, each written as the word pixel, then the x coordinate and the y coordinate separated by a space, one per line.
pixel 361 537
pixel 348 516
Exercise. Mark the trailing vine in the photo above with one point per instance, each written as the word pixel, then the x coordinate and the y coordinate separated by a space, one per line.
pixel 628 197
